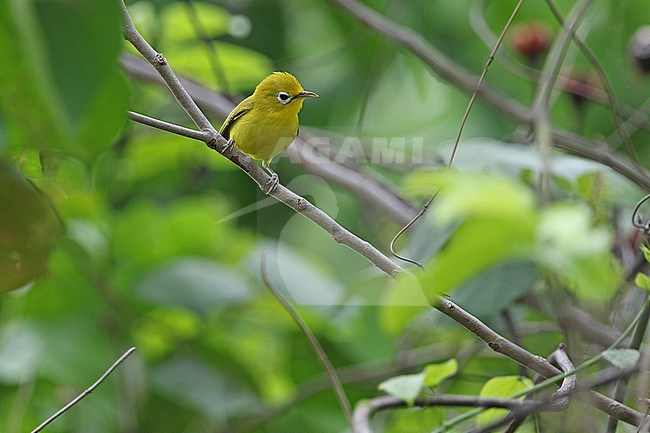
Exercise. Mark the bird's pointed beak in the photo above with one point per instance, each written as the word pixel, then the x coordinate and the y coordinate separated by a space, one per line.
pixel 307 94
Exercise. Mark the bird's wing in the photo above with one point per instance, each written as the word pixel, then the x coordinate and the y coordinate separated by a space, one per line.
pixel 241 109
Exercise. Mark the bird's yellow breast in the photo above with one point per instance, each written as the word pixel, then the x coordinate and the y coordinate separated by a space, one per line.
pixel 264 133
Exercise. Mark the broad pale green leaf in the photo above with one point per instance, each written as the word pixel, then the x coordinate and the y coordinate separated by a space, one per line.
pixel 436 373
pixel 477 195
pixel 477 245
pixel 622 358
pixel 505 387
pixel 406 387
pixel 496 219
pixel 404 300
pixel 415 420
pixel 163 328
pixel 150 156
pixel 242 67
pixel 571 247
pixel 199 284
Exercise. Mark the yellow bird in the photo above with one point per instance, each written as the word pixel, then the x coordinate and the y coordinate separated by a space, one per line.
pixel 266 123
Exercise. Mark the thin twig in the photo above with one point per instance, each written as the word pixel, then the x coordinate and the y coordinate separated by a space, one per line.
pixel 86 392
pixel 313 341
pixel 170 127
pixel 637 119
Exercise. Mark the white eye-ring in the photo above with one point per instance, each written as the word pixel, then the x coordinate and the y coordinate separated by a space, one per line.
pixel 284 97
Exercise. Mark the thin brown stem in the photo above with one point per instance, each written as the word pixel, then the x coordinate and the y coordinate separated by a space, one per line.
pixel 86 392
pixel 313 341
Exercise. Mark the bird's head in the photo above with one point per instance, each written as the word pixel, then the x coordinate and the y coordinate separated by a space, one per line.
pixel 282 90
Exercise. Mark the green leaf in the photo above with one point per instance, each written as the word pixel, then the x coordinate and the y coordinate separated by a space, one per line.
pixel 570 246
pixel 493 290
pixel 415 420
pixel 497 221
pixel 436 373
pixel 505 387
pixel 622 358
pixel 642 280
pixel 477 195
pixel 27 97
pixel 29 225
pixel 406 387
pixel 243 67
pixel 199 284
pixel 80 41
pixel 477 245
pixel 61 80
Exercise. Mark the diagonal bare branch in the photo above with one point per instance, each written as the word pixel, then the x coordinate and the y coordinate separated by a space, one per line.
pixel 86 392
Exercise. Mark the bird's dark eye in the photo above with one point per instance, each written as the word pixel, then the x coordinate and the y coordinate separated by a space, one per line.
pixel 284 97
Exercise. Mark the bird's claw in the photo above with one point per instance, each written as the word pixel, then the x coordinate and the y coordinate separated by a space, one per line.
pixel 272 184
pixel 227 148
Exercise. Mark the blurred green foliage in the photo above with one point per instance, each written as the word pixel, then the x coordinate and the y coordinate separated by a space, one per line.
pixel 114 235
